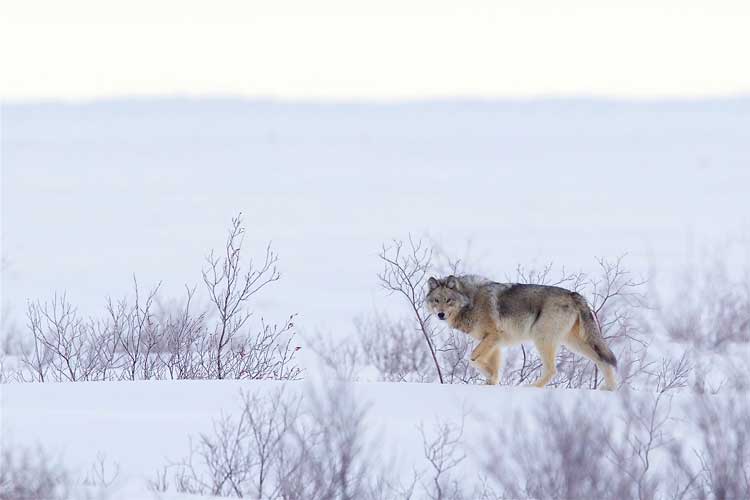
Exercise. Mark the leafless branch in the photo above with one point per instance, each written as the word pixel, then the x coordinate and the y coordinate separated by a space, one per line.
pixel 405 273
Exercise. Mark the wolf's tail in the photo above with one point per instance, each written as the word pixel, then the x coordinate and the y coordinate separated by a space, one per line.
pixel 590 332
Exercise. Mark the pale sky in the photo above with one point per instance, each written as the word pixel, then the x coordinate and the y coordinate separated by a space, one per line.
pixel 381 49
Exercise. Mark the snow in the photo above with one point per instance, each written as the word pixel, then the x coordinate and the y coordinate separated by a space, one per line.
pixel 140 426
pixel 93 193
pixel 96 192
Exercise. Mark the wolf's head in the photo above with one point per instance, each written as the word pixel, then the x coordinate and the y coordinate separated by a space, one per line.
pixel 444 298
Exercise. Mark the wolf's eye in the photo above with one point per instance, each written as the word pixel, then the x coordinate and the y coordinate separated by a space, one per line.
pixel 449 301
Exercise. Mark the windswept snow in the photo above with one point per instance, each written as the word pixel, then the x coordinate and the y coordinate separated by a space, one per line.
pixel 140 426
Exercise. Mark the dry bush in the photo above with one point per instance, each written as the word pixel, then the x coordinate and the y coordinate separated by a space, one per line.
pixel 394 350
pixel 405 272
pixel 283 447
pixel 280 448
pixel 331 458
pixel 711 311
pixel 444 454
pixel 240 457
pixel 645 452
pixel 406 268
pixel 9 333
pixel 230 289
pixel 318 450
pixel 672 373
pixel 454 348
pixel 65 345
pixel 724 454
pixel 343 360
pixel 31 475
pixel 559 454
pixel 709 317
pixel 558 462
pixel 137 339
pixel 575 453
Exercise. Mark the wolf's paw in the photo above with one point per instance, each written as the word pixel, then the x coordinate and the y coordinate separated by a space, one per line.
pixel 493 380
pixel 478 367
pixel 537 384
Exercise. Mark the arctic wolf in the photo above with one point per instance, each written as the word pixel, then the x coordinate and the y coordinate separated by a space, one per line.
pixel 501 314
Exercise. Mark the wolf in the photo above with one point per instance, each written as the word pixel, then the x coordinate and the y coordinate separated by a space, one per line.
pixel 503 314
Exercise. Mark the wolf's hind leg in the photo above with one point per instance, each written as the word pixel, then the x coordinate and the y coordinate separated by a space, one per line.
pixel 548 352
pixel 610 379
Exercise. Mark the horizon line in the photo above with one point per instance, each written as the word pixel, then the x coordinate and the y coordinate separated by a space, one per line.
pixel 384 101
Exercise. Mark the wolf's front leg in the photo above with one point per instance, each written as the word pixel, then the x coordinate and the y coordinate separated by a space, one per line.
pixel 489 341
pixel 490 365
pixel 487 358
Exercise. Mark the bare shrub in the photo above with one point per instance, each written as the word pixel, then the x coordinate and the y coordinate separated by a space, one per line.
pixel 395 353
pixel 63 343
pixel 230 289
pixel 557 463
pixel 121 346
pixel 711 311
pixel 405 348
pixel 577 454
pixel 137 339
pixel 103 472
pixel 394 350
pixel 672 373
pixel 330 459
pixel 137 334
pixel 724 454
pixel 709 315
pixel 31 475
pixel 645 436
pixel 405 269
pixel 344 360
pixel 405 273
pixel 9 333
pixel 443 452
pixel 278 449
pixel 241 457
pixel 455 348
pixel 182 349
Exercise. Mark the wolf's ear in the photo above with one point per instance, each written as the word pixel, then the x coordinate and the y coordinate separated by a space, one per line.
pixel 451 282
pixel 432 283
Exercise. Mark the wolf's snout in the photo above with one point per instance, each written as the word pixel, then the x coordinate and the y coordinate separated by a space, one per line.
pixel 441 315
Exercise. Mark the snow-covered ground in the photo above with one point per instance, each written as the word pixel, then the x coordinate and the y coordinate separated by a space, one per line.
pixel 94 193
pixel 138 427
